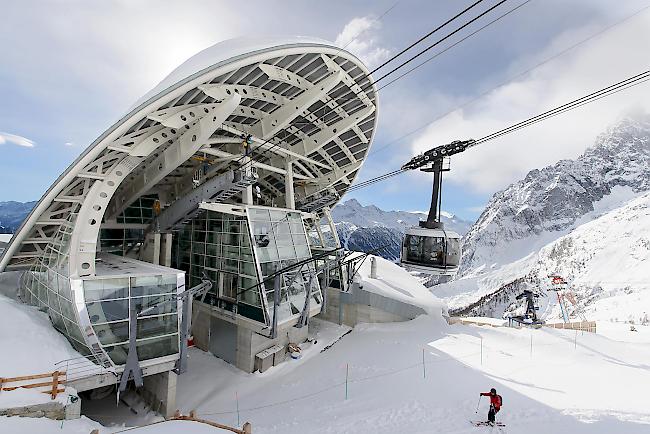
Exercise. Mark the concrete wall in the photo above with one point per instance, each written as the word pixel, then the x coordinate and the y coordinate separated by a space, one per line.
pixel 52 410
pixel 212 331
pixel 159 392
pixel 359 305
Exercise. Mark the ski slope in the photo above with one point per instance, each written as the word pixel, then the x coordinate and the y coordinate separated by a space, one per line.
pixel 598 386
pixel 419 376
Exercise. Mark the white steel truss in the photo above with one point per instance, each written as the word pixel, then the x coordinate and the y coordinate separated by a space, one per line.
pixel 285 97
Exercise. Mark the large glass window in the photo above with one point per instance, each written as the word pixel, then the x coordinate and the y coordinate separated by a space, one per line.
pixel 453 252
pixel 432 251
pixel 220 246
pixel 281 241
pixel 154 298
pixel 47 284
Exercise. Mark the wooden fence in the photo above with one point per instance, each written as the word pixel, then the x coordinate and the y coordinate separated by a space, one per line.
pixel 246 429
pixel 585 326
pixel 27 382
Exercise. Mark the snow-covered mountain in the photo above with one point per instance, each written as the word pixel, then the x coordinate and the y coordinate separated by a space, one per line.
pixel 366 228
pixel 586 219
pixel 548 202
pixel 12 215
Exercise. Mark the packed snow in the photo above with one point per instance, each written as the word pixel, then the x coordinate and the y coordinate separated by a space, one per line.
pixel 398 284
pixel 31 346
pixel 30 343
pixel 416 376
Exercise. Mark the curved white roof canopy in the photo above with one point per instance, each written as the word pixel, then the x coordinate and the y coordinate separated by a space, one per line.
pixel 313 100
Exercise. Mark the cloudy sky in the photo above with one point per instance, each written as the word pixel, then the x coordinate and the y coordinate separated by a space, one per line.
pixel 70 68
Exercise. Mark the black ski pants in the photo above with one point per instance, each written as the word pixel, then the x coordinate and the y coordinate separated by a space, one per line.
pixel 491 414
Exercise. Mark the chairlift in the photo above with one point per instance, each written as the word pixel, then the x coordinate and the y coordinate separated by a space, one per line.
pixel 528 314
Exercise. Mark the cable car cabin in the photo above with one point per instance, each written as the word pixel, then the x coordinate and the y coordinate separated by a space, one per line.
pixel 431 251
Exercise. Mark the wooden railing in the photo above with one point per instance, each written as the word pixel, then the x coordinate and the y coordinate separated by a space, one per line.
pixel 26 382
pixel 246 429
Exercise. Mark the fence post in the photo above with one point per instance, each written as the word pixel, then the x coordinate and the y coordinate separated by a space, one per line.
pixel 237 399
pixel 55 383
pixel 347 370
pixel 424 366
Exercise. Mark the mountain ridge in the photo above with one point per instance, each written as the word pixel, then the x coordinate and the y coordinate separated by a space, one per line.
pixel 552 199
pixel 586 219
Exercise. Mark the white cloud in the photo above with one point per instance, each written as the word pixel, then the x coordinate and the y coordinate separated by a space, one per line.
pixel 360 37
pixel 614 56
pixel 118 50
pixel 16 140
pixel 475 209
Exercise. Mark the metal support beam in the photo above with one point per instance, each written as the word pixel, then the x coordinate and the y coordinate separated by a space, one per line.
pixel 283 116
pixel 218 189
pixel 303 321
pixel 247 192
pixel 288 185
pixel 132 369
pixel 324 136
pixel 276 305
pixel 189 142
pixel 228 156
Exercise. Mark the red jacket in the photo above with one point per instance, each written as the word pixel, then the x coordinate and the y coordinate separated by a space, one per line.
pixel 495 400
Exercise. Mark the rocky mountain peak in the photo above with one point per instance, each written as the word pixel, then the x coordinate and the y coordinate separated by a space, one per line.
pixel 552 199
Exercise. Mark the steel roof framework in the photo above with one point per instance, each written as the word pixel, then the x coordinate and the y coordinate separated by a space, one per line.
pixel 303 104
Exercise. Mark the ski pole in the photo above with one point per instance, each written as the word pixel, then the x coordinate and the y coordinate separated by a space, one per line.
pixel 478 403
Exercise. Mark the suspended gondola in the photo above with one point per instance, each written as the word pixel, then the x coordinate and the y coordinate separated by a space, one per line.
pixel 430 248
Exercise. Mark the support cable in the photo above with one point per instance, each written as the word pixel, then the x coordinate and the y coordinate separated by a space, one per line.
pixel 571 105
pixel 510 80
pixel 371 83
pixel 426 36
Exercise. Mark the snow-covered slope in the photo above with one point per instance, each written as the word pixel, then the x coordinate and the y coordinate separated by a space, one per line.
pixel 418 376
pixel 366 228
pixel 548 202
pixel 396 283
pixel 606 260
pixel 30 343
pixel 423 376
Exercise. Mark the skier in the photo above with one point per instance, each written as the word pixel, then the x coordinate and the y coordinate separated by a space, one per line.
pixel 495 404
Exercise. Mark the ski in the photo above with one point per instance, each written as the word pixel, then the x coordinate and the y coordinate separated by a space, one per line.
pixel 486 423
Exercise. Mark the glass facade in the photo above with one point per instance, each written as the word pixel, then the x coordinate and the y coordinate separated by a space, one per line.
pixel 141 211
pixel 237 252
pixel 280 240
pixel 120 241
pixel 47 285
pixel 108 302
pixel 219 245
